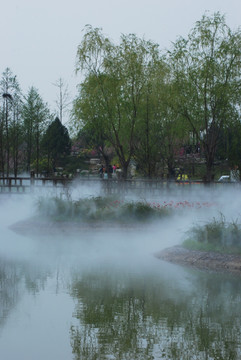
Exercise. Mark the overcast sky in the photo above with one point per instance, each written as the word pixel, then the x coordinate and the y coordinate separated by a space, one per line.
pixel 39 39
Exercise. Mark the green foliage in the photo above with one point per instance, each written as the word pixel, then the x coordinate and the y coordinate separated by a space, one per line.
pixel 42 165
pixel 10 123
pixel 35 118
pixel 206 70
pixel 99 209
pixel 141 211
pixel 229 146
pixel 146 106
pixel 72 163
pixel 112 98
pixel 136 103
pixel 56 141
pixel 216 235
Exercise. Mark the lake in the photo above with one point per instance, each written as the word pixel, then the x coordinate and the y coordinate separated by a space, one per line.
pixel 104 295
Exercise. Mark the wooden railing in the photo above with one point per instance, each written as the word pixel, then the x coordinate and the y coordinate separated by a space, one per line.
pixel 111 186
pixel 25 184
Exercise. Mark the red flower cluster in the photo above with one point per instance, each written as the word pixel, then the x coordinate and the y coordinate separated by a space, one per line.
pixel 183 204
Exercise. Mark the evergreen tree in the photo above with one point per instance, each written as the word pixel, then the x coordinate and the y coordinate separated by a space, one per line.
pixel 56 142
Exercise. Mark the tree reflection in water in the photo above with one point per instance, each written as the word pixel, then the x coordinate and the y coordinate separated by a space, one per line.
pixel 9 280
pixel 15 276
pixel 125 317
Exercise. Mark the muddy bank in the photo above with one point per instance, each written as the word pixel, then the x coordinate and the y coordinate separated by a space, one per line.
pixel 202 260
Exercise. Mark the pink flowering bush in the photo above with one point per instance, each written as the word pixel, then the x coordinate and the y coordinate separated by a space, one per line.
pixel 182 204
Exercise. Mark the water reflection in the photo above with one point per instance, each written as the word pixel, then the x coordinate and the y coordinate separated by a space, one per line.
pixel 9 279
pixel 105 296
pixel 35 311
pixel 15 278
pixel 114 312
pixel 140 317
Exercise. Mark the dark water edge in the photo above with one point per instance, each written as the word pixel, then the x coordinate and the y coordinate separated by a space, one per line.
pixel 43 227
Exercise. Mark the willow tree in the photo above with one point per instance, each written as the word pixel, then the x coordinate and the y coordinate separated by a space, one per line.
pixel 149 130
pixel 206 73
pixel 90 107
pixel 119 75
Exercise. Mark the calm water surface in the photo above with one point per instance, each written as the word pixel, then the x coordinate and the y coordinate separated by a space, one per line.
pixel 105 296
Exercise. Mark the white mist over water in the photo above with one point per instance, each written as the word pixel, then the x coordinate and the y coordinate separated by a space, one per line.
pixel 39 319
pixel 117 244
pixel 115 247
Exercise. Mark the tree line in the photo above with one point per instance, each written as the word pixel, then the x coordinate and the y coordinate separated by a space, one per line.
pixel 146 103
pixel 135 102
pixel 30 137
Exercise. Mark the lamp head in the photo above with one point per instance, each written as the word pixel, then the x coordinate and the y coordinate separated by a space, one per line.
pixel 7 96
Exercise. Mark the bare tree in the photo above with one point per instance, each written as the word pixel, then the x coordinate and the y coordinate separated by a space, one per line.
pixel 63 99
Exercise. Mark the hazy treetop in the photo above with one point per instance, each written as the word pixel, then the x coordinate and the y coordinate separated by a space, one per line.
pixel 39 39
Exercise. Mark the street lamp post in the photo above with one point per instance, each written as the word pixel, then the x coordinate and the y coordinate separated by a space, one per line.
pixel 7 97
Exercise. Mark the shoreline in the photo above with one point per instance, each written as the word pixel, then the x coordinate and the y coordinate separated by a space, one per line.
pixel 202 260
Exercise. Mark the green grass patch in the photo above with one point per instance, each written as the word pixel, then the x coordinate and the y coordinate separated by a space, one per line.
pixel 217 235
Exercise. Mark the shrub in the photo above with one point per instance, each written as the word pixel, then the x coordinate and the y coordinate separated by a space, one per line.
pixel 99 209
pixel 217 235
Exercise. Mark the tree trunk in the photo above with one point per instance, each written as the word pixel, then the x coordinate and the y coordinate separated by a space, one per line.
pixel 171 168
pixel 209 171
pixel 125 170
pixel 210 154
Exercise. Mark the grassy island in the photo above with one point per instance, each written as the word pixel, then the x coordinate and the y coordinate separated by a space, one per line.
pixel 100 209
pixel 217 235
